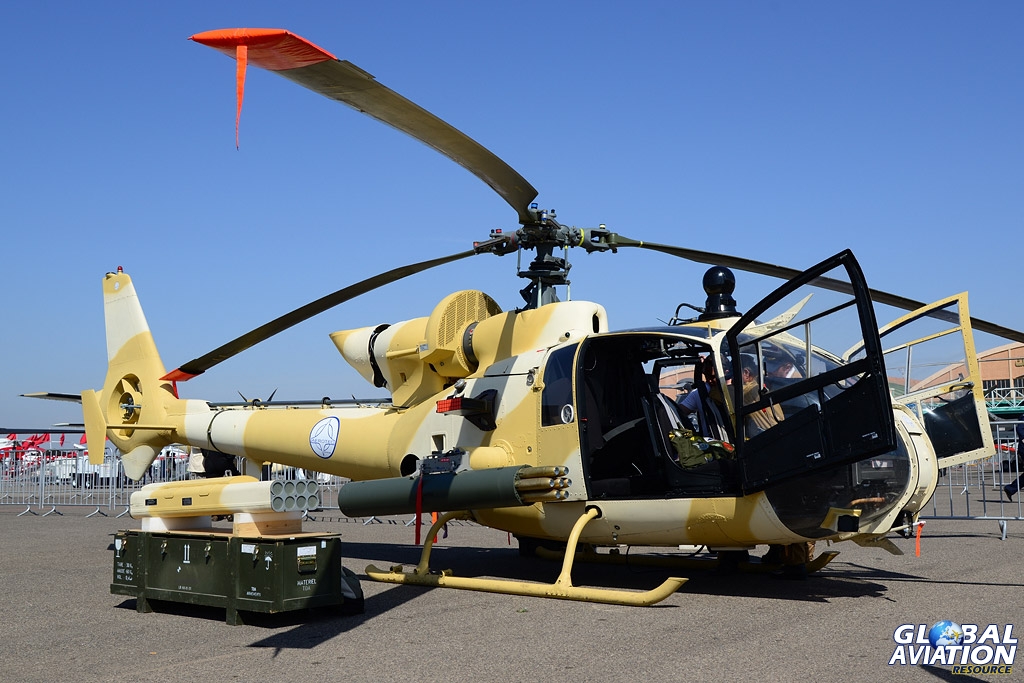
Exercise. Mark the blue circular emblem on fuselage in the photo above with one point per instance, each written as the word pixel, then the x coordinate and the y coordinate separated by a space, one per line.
pixel 323 437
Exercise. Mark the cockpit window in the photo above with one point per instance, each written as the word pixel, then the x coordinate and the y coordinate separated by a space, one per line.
pixel 773 369
pixel 556 398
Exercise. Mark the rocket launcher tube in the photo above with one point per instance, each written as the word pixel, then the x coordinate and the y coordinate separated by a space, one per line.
pixel 223 496
pixel 488 488
pixel 543 471
pixel 466 490
pixel 535 484
pixel 545 497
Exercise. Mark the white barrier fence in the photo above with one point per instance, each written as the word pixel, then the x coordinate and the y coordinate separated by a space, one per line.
pixel 48 483
pixel 977 490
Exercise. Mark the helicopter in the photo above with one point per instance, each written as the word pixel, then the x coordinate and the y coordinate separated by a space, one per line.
pixel 543 422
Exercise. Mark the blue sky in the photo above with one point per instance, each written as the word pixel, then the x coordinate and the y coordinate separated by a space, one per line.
pixel 782 131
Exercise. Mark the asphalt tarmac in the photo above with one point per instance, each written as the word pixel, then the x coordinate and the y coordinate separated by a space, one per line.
pixel 61 623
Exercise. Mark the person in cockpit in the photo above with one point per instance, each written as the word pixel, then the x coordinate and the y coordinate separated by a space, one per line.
pixel 765 418
pixel 705 401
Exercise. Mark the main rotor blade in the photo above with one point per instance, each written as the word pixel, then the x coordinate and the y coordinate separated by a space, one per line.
pixel 312 67
pixel 203 363
pixel 761 268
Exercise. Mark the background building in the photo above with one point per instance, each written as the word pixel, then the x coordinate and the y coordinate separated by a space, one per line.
pixel 1002 377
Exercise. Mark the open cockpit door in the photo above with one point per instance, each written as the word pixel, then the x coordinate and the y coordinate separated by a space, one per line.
pixel 797 408
pixel 950 401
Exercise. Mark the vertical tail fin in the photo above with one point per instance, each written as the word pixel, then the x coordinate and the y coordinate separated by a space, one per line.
pixel 132 409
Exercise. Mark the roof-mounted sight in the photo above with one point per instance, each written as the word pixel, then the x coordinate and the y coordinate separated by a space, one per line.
pixel 719 284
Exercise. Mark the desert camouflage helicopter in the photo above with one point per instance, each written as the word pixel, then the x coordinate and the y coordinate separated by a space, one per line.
pixel 542 422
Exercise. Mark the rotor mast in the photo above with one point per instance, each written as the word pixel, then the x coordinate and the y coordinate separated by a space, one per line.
pixel 544 234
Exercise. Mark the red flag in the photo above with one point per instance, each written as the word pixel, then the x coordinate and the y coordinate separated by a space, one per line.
pixel 35 441
pixel 12 437
pixel 82 440
pixel 61 439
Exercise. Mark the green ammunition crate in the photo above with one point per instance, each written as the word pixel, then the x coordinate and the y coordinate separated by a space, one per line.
pixel 218 569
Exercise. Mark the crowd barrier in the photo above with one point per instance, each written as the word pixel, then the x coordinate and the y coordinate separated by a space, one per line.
pixel 976 490
pixel 970 491
pixel 47 485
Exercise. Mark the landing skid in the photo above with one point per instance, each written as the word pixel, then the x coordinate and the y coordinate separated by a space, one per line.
pixel 562 588
pixel 754 566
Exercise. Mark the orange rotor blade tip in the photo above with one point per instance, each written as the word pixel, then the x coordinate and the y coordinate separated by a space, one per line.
pixel 177 375
pixel 241 59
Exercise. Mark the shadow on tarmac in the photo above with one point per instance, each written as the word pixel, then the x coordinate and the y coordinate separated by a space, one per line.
pixel 861 570
pixel 309 628
pixel 306 629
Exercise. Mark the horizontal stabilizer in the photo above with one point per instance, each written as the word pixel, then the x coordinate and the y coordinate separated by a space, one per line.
pixel 53 396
